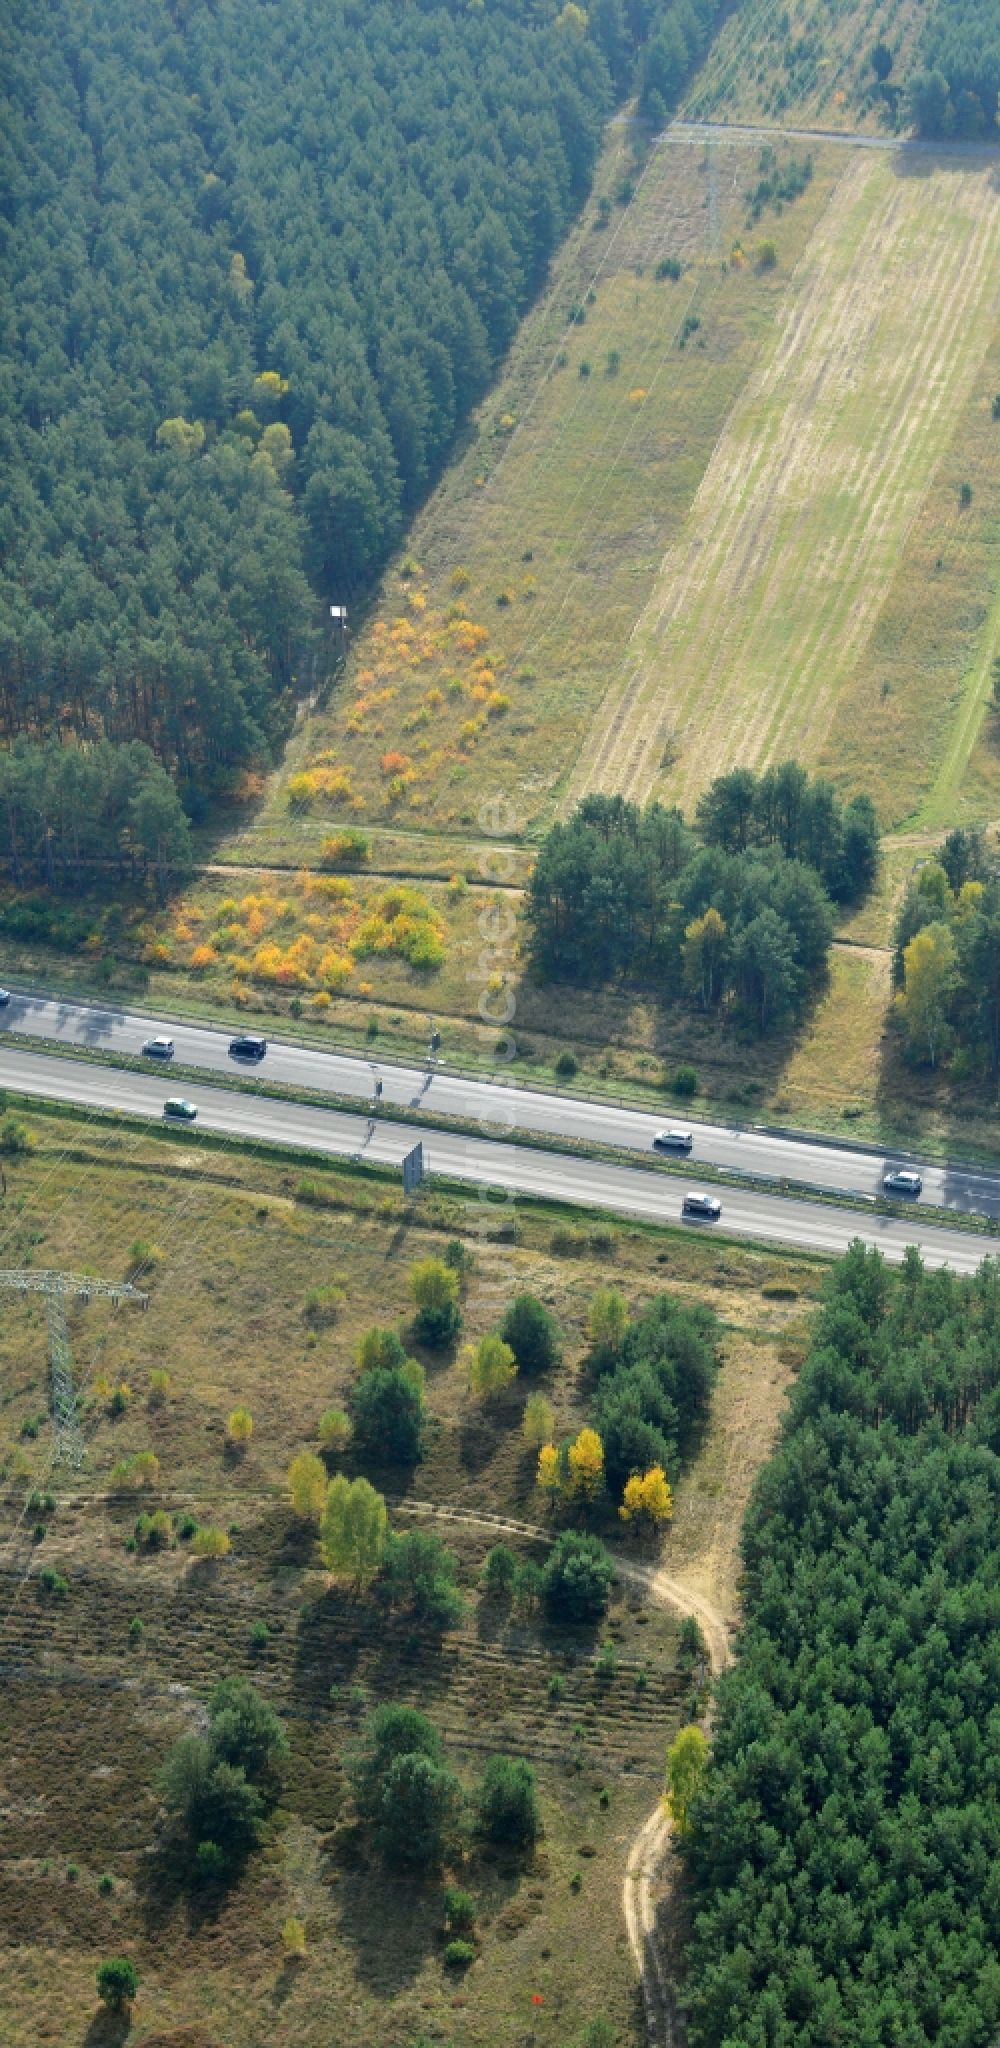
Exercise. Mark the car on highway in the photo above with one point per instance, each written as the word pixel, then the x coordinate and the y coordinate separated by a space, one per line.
pixel 708 1206
pixel 673 1140
pixel 4 998
pixel 158 1049
pixel 246 1047
pixel 177 1106
pixel 902 1181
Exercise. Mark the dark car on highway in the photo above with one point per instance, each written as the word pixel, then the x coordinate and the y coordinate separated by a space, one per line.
pixel 708 1206
pixel 246 1047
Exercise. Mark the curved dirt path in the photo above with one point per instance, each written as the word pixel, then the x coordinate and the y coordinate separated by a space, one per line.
pixel 649 1846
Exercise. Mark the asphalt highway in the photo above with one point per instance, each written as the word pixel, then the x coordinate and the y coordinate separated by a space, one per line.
pixel 501 1107
pixel 494 1170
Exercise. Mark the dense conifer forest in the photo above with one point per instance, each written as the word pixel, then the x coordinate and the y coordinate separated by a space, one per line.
pixel 956 93
pixel 257 263
pixel 844 1854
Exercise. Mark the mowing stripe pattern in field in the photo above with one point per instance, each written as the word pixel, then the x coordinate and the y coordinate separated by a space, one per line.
pixel 765 601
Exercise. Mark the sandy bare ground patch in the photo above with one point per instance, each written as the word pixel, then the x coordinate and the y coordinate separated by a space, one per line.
pixel 767 597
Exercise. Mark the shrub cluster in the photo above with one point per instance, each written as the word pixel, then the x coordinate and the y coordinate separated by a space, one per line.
pixel 407 1795
pixel 217 1787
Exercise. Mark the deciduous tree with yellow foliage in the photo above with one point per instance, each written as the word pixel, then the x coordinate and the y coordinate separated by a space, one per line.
pixel 307 1483
pixel 647 1498
pixel 539 1416
pixel 930 966
pixel 585 1468
pixel 703 957
pixel 491 1366
pixel 354 1529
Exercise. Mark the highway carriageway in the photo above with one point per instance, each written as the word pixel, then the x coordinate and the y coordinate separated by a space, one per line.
pixel 495 1167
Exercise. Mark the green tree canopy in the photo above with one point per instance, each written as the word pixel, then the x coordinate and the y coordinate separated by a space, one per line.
pixel 734 914
pixel 402 1787
pixel 841 1850
pixel 577 1578
pixel 532 1334
pixel 246 1731
pixel 652 1399
pixel 507 1802
pixel 117 1982
pixel 231 379
pixel 70 815
pixel 211 1801
pixel 419 1573
pixel 387 1412
pixel 419 1811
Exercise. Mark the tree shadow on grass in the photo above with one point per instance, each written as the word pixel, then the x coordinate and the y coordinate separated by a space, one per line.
pixel 294 1544
pixel 166 1885
pixel 435 1358
pixel 392 1919
pixel 108 2029
pixel 291 1973
pixel 483 1427
pixel 494 1617
pixel 330 1638
pixel 927 156
pixel 397 1240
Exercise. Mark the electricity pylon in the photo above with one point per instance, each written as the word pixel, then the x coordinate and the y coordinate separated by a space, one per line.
pixel 57 1287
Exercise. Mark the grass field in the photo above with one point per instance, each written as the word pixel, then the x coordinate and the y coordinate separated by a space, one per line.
pixel 748 647
pixel 90 1711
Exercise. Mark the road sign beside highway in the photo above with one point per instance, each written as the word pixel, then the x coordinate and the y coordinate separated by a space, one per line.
pixel 413 1170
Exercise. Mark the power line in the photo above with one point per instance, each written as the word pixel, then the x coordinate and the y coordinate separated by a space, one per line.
pixel 57 1287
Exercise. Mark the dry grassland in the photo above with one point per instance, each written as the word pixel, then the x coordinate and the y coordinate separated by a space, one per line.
pixel 768 598
pixel 910 724
pixel 90 1711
